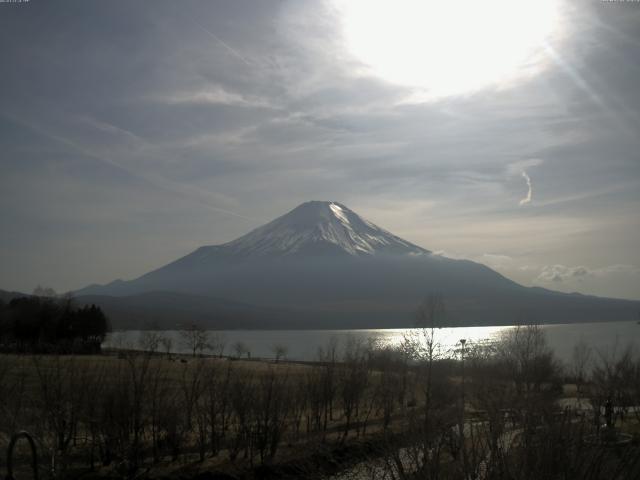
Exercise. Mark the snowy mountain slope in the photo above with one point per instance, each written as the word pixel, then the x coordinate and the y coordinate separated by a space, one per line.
pixel 317 228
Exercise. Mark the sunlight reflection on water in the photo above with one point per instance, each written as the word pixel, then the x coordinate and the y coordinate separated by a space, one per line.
pixel 304 344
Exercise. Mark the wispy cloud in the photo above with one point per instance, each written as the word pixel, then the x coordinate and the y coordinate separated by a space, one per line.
pixel 561 273
pixel 527 199
pixel 224 44
pixel 202 196
pixel 618 280
pixel 520 168
pixel 212 95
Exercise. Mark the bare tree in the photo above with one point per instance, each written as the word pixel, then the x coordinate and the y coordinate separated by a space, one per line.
pixel 63 389
pixel 328 357
pixel 193 385
pixel 354 379
pixel 138 397
pixel 195 339
pixel 217 344
pixel 217 401
pixel 41 291
pixel 580 365
pixel 240 349
pixel 271 405
pixel 167 345
pixel 149 341
pixel 159 393
pixel 612 379
pixel 279 351
pixel 423 346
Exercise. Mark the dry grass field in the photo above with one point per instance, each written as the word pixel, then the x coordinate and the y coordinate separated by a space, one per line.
pixel 511 413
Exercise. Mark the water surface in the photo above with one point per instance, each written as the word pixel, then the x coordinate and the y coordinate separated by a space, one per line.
pixel 304 344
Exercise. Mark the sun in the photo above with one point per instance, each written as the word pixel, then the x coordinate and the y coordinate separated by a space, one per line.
pixel 448 47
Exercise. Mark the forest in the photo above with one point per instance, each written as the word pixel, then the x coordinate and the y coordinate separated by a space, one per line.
pixel 39 324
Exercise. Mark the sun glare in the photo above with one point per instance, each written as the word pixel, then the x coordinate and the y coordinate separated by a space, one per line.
pixel 449 47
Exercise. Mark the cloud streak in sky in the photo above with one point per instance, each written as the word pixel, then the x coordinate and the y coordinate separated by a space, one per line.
pixel 520 168
pixel 527 199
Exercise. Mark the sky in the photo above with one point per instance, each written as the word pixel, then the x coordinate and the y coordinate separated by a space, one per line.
pixel 132 133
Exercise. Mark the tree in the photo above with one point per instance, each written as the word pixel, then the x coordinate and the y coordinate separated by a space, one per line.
pixel 612 378
pixel 54 324
pixel 149 341
pixel 240 348
pixel 41 291
pixel 217 344
pixel 91 324
pixel 423 345
pixel 423 348
pixel 581 358
pixel 167 344
pixel 529 358
pixel 279 351
pixel 195 339
pixel 533 374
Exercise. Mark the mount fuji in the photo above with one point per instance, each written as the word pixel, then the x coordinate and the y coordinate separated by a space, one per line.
pixel 323 266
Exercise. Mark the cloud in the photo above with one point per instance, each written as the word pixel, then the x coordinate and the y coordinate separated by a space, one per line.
pixel 212 95
pixel 492 260
pixel 613 280
pixel 253 107
pixel 560 273
pixel 495 260
pixel 616 269
pixel 520 168
pixel 527 199
pixel 444 253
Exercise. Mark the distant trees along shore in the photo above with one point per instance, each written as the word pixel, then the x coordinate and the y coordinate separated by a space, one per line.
pixel 51 324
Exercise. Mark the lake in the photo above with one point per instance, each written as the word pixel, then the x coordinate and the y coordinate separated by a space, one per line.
pixel 304 344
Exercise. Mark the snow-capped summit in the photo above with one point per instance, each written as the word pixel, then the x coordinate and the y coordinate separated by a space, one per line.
pixel 320 227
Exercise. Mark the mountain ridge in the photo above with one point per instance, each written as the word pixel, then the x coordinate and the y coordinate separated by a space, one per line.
pixel 326 264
